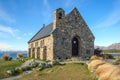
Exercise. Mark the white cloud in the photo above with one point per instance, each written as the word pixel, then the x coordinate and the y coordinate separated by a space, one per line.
pixel 4 46
pixel 111 18
pixel 6 29
pixel 4 16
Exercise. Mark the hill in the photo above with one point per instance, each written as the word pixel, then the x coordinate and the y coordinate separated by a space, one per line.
pixel 114 46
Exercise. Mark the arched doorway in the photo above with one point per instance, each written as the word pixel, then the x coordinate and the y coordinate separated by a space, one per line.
pixel 75 46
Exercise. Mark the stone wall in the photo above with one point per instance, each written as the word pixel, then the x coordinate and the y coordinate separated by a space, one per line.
pixel 70 26
pixel 59 44
pixel 42 48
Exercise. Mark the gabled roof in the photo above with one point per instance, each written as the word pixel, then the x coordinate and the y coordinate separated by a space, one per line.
pixel 47 30
pixel 43 32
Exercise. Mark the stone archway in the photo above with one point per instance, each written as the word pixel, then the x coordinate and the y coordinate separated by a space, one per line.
pixel 75 46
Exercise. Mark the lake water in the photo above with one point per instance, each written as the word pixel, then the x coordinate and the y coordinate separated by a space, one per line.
pixel 13 55
pixel 115 54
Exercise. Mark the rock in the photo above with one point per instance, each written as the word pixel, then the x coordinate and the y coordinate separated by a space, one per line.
pixel 9 72
pixel 39 69
pixel 33 64
pixel 18 68
pixel 28 65
pixel 45 64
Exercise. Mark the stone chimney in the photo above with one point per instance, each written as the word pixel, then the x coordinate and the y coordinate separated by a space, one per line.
pixel 58 16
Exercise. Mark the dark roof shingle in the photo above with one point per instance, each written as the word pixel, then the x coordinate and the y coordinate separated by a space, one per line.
pixel 43 32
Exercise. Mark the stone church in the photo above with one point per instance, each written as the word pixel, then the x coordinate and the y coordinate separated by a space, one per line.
pixel 68 36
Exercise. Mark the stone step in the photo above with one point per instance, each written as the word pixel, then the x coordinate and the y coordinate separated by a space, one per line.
pixel 76 59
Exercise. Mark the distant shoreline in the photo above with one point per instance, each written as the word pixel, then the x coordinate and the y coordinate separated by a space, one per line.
pixel 110 53
pixel 13 55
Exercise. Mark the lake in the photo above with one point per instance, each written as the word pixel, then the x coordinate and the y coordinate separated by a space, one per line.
pixel 13 55
pixel 114 54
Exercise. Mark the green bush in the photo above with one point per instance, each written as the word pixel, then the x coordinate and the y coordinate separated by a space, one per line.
pixel 22 60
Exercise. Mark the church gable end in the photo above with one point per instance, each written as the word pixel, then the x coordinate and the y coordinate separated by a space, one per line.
pixel 71 27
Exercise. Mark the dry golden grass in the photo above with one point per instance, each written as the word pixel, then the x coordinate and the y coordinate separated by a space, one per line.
pixel 92 66
pixel 94 57
pixel 104 70
pixel 108 72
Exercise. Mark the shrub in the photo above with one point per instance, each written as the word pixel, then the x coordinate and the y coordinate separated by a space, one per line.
pixel 82 63
pixel 10 58
pixel 108 56
pixel 22 60
pixel 19 56
pixel 5 57
pixel 97 52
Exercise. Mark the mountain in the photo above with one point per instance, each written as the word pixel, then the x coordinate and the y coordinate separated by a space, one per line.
pixel 100 47
pixel 13 52
pixel 112 46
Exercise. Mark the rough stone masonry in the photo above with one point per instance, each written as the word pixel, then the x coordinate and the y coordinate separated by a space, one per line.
pixel 68 36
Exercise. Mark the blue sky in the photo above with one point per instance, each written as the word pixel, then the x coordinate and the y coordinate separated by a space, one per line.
pixel 21 19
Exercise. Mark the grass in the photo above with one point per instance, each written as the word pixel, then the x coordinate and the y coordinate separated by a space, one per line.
pixel 8 65
pixel 111 51
pixel 72 71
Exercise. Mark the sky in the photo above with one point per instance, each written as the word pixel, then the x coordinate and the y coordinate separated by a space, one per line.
pixel 21 19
